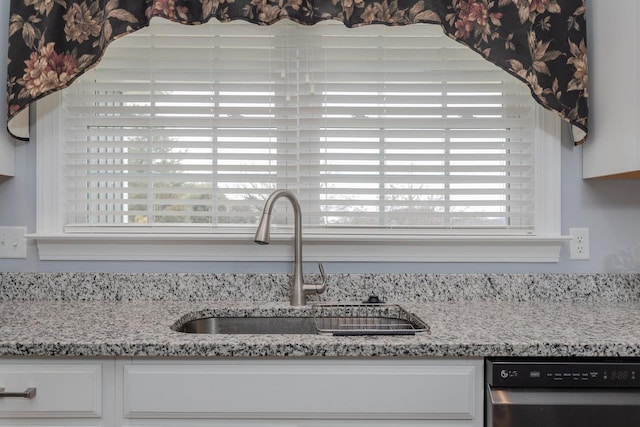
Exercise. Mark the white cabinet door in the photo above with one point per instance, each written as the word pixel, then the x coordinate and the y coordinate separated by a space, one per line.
pixel 613 145
pixel 66 392
pixel 299 392
pixel 7 149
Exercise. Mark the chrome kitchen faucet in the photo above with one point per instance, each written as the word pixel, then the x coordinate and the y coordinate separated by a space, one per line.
pixel 299 289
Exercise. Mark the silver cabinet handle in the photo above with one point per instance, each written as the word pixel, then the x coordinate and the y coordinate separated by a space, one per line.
pixel 29 393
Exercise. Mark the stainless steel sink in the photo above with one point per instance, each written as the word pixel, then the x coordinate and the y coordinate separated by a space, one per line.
pixel 250 325
pixel 336 319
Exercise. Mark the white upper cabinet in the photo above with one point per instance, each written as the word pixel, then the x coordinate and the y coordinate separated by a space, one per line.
pixel 613 145
pixel 7 148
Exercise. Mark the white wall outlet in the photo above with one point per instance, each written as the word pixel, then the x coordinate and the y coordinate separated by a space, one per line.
pixel 13 243
pixel 579 248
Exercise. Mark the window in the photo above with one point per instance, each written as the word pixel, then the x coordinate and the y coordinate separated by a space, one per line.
pixel 396 134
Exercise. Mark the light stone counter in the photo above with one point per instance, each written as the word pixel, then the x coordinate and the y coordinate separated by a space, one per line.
pixel 468 315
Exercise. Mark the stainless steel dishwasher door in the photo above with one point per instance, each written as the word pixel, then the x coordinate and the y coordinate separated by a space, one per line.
pixel 566 407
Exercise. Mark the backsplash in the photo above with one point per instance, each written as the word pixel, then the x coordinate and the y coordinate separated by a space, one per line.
pixel 340 287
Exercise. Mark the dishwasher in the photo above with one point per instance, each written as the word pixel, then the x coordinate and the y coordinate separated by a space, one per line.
pixel 557 392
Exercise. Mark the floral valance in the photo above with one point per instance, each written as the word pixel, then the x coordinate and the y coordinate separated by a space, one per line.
pixel 542 42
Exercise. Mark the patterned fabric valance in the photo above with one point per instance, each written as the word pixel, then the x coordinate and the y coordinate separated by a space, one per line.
pixel 542 42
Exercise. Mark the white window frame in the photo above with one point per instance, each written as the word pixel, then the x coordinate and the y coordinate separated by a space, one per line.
pixel 542 245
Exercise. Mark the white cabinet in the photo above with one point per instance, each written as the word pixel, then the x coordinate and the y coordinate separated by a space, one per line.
pixel 7 149
pixel 613 145
pixel 67 392
pixel 302 392
pixel 235 392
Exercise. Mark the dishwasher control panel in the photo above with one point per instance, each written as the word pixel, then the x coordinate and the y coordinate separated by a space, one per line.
pixel 563 374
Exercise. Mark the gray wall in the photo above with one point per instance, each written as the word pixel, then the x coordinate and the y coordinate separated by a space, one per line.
pixel 610 208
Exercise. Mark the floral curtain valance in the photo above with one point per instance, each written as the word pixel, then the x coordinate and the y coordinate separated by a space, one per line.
pixel 542 42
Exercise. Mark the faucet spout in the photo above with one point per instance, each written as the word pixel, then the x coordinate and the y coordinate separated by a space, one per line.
pixel 299 289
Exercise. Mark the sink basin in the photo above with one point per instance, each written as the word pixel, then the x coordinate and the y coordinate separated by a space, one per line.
pixel 250 325
pixel 336 319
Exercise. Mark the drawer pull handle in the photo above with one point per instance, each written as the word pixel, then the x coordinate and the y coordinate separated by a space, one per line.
pixel 29 393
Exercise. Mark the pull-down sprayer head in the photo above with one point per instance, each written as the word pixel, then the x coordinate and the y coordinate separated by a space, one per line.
pixel 263 235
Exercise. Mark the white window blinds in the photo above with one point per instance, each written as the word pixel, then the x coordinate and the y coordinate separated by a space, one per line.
pixel 375 127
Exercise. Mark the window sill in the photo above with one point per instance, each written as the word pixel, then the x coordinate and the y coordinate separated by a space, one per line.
pixel 325 248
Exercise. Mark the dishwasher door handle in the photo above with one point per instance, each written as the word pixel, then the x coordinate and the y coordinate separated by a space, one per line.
pixel 564 397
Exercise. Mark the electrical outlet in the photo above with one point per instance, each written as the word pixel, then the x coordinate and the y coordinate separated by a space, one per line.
pixel 13 243
pixel 579 248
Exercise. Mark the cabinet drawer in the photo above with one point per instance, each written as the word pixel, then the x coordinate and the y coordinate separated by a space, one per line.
pixel 62 390
pixel 301 389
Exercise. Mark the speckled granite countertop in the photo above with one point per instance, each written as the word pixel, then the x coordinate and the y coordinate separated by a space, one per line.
pixel 532 316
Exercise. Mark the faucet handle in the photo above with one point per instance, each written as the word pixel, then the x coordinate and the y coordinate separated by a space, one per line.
pixel 324 278
pixel 316 288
